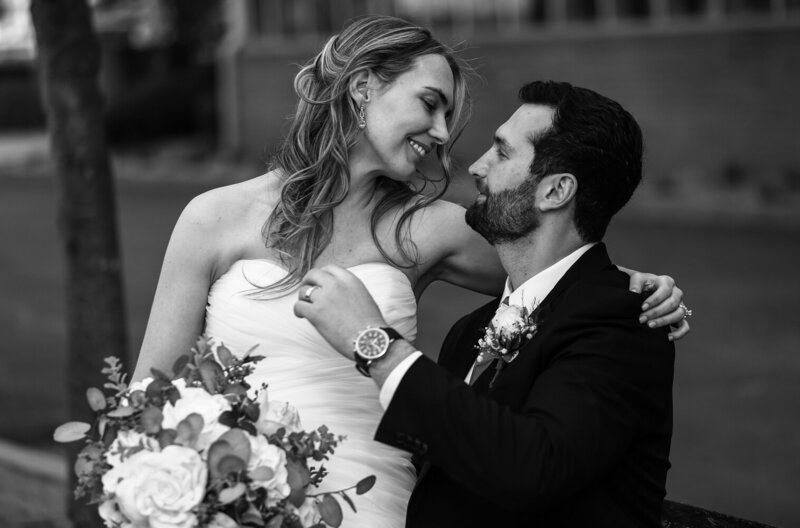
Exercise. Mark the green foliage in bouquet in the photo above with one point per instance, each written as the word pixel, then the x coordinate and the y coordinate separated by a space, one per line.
pixel 199 438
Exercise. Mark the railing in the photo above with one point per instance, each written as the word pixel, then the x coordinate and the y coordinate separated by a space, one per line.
pixel 287 20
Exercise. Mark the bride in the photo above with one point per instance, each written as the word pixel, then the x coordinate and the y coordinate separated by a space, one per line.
pixel 378 98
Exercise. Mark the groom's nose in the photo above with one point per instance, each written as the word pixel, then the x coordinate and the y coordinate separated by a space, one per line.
pixel 478 169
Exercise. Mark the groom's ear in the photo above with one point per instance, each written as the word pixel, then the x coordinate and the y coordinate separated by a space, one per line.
pixel 557 191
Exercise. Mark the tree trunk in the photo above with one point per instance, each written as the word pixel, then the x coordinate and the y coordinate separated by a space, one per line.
pixel 69 63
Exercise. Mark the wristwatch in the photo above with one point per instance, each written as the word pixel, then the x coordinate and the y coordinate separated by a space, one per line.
pixel 371 345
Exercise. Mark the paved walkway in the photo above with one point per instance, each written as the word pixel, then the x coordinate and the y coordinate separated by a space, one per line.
pixel 33 488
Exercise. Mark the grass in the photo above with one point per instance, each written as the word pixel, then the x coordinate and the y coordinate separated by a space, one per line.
pixel 737 382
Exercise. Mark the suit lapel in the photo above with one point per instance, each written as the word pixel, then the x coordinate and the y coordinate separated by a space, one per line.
pixel 594 260
pixel 461 350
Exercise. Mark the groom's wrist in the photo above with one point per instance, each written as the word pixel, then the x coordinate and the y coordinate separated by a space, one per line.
pixel 398 350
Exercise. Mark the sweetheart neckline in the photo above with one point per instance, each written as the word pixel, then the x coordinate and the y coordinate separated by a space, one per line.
pixel 372 263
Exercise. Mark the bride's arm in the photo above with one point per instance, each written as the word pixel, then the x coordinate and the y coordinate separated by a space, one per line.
pixel 178 310
pixel 465 259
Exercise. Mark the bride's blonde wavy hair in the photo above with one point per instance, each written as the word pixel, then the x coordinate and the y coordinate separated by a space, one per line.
pixel 313 158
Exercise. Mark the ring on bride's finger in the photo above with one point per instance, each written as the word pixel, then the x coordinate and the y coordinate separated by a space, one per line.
pixel 309 291
pixel 687 313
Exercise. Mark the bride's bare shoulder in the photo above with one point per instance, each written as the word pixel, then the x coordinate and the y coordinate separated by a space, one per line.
pixel 234 205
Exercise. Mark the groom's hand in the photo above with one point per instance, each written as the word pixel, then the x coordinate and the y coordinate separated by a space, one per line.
pixel 338 304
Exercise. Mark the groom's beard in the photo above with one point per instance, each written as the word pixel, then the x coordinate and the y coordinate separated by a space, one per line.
pixel 507 215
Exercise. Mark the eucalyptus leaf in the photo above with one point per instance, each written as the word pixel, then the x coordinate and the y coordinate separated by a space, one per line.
pixel 239 442
pixel 275 522
pixel 349 501
pixel 252 518
pixel 330 510
pixel 121 412
pixel 151 420
pixel 179 366
pixel 229 495
pixel 262 473
pixel 196 421
pixel 173 394
pixel 297 497
pixel 166 437
pixel 155 389
pixel 298 475
pixel 227 418
pixel 96 399
pixel 230 464
pixel 71 431
pixel 225 356
pixel 234 389
pixel 365 484
pixel 158 374
pixel 249 427
pixel 216 452
pixel 83 466
pixel 212 376
pixel 251 411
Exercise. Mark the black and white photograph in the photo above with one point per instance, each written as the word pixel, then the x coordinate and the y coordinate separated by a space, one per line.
pixel 399 263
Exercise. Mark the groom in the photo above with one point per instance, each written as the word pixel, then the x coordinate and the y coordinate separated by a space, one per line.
pixel 571 426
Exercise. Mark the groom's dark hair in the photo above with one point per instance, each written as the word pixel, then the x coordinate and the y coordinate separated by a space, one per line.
pixel 594 139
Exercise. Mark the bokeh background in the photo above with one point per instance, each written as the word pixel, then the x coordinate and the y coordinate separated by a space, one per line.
pixel 198 94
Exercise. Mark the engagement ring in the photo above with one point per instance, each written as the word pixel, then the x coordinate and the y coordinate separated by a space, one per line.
pixel 687 313
pixel 309 291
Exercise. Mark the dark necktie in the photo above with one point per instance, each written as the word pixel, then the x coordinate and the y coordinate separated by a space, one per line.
pixel 480 367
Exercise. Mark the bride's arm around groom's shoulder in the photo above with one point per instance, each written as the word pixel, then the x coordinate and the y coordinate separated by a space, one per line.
pixel 453 252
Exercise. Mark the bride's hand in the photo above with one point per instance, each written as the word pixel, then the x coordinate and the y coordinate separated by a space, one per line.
pixel 663 307
pixel 338 304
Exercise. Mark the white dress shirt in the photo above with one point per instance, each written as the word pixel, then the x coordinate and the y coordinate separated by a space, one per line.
pixel 529 294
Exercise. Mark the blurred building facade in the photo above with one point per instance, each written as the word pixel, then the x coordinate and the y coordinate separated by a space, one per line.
pixel 712 82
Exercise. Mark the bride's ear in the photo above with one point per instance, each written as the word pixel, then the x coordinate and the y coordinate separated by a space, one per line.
pixel 359 87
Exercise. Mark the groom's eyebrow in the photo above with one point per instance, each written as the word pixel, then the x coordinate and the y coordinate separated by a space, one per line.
pixel 502 143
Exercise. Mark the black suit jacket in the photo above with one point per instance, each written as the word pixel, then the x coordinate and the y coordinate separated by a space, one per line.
pixel 574 432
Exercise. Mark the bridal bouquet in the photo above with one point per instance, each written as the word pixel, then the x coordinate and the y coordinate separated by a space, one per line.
pixel 196 449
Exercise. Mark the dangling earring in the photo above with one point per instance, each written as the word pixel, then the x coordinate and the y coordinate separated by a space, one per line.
pixel 362 118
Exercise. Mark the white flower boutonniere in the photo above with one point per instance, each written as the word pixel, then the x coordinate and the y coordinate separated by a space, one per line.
pixel 510 328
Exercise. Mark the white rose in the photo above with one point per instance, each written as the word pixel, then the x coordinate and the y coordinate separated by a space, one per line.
pixel 508 321
pixel 159 490
pixel 126 440
pixel 276 414
pixel 209 406
pixel 265 455
pixel 112 517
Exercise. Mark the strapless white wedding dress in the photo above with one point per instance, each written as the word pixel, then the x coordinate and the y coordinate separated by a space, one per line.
pixel 301 368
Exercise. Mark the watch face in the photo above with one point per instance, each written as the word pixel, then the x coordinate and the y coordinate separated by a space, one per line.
pixel 372 343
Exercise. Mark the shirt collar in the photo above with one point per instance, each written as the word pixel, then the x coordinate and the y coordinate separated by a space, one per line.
pixel 532 291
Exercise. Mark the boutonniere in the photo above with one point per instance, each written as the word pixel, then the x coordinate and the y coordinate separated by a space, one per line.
pixel 511 327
